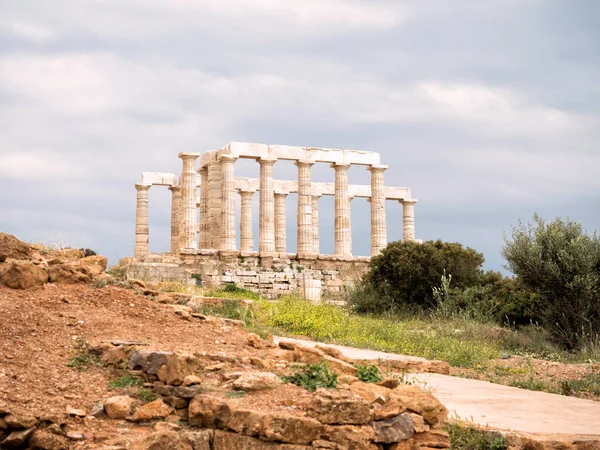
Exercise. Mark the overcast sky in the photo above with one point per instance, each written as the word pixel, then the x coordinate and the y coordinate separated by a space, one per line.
pixel 489 110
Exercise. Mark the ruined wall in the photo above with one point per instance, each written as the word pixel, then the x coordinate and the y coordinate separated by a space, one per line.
pixel 270 277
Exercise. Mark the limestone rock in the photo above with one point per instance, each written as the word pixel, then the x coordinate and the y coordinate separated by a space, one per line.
pixel 289 428
pixel 191 380
pixel 119 407
pixel 96 264
pixel 97 409
pixel 199 440
pixel 433 438
pixel 187 392
pixel 45 440
pixel 4 409
pixel 208 412
pixel 232 441
pixel 257 381
pixel 77 412
pixel 333 352
pixel 69 273
pixel 254 340
pixel 17 438
pixel 162 440
pixel 22 274
pixel 350 436
pixel 13 248
pixel 17 421
pixel 390 383
pixel 176 368
pixel 340 407
pixel 151 411
pixel 420 402
pixel 370 392
pixel 396 429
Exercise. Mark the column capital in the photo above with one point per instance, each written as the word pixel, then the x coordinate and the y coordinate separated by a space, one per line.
pixel 316 196
pixel 408 201
pixel 340 166
pixel 226 157
pixel 203 169
pixel 377 168
pixel 246 192
pixel 174 188
pixel 142 186
pixel 304 163
pixel 267 161
pixel 188 155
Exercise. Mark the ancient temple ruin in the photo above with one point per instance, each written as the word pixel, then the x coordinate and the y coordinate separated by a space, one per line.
pixel 203 220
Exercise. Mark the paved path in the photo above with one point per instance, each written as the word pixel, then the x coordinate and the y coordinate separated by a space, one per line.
pixel 497 406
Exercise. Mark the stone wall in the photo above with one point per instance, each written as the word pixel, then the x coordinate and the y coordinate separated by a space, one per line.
pixel 270 277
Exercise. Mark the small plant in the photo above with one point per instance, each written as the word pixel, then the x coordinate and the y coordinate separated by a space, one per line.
pixel 465 437
pixel 145 395
pixel 125 381
pixel 313 376
pixel 117 272
pixel 100 283
pixel 235 394
pixel 84 358
pixel 368 373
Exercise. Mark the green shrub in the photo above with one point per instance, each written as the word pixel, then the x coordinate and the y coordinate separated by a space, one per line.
pixel 145 395
pixel 125 381
pixel 313 376
pixel 368 373
pixel 464 437
pixel 561 263
pixel 84 359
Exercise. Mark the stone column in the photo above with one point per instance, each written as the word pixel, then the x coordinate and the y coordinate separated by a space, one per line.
pixel 188 226
pixel 228 236
pixel 343 232
pixel 141 221
pixel 246 236
pixel 214 205
pixel 280 224
pixel 315 224
pixel 408 220
pixel 267 207
pixel 305 233
pixel 378 220
pixel 204 229
pixel 175 208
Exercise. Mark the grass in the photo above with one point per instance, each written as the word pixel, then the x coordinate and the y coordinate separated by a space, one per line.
pixel 145 395
pixel 466 437
pixel 84 359
pixel 125 381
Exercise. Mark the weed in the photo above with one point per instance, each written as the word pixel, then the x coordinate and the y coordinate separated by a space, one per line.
pixel 465 437
pixel 84 357
pixel 368 373
pixel 125 381
pixel 100 283
pixel 235 394
pixel 589 385
pixel 313 376
pixel 117 272
pixel 145 395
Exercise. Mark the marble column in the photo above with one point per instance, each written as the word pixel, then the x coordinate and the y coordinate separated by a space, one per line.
pixel 280 224
pixel 246 236
pixel 228 236
pixel 305 233
pixel 315 224
pixel 175 208
pixel 141 221
pixel 215 199
pixel 267 207
pixel 408 220
pixel 188 226
pixel 378 219
pixel 204 226
pixel 343 232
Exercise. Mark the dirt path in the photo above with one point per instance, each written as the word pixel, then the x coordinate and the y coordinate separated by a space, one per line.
pixel 497 406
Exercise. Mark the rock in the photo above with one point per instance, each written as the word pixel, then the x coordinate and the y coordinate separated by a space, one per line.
pixel 119 407
pixel 16 421
pixel 257 381
pixel 370 392
pixel 349 436
pixel 22 274
pixel 13 248
pixel 57 418
pixel 191 380
pixel 162 440
pixel 95 264
pixel 70 253
pixel 254 340
pixel 396 429
pixel 208 412
pixel 155 361
pixel 340 407
pixel 420 402
pixel 176 368
pixel 97 409
pixel 289 428
pixel 55 429
pixel 4 409
pixel 199 440
pixel 76 412
pixel 420 425
pixel 287 345
pixel 167 426
pixel 187 392
pixel 260 363
pixel 176 402
pixel 74 436
pixel 390 383
pixel 334 352
pixel 17 438
pixel 151 411
pixel 69 273
pixel 433 438
pixel 232 441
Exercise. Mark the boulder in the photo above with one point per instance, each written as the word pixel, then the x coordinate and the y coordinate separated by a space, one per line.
pixel 96 264
pixel 350 436
pixel 22 274
pixel 162 440
pixel 69 273
pixel 119 407
pixel 192 380
pixel 340 407
pixel 44 440
pixel 17 438
pixel 256 381
pixel 20 421
pixel 433 438
pixel 232 441
pixel 370 392
pixel 418 401
pixel 177 367
pixel 254 340
pixel 13 248
pixel 151 411
pixel 208 412
pixel 199 440
pixel 395 429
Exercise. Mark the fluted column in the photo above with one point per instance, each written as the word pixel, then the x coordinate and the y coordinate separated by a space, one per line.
pixel 267 207
pixel 175 208
pixel 214 205
pixel 408 220
pixel 188 226
pixel 204 227
pixel 141 221
pixel 227 241
pixel 315 224
pixel 280 224
pixel 378 220
pixel 343 232
pixel 305 233
pixel 246 236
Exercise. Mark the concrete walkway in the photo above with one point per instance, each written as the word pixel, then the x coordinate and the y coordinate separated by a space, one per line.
pixel 494 405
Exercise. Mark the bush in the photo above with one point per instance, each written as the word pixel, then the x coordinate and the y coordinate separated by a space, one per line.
pixel 313 376
pixel 405 273
pixel 368 373
pixel 560 263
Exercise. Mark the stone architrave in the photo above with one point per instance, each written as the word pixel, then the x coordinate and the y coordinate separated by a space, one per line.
pixel 228 234
pixel 305 224
pixel 315 224
pixel 267 207
pixel 175 212
pixel 408 220
pixel 215 200
pixel 378 219
pixel 246 236
pixel 343 232
pixel 141 221
pixel 188 225
pixel 280 224
pixel 204 225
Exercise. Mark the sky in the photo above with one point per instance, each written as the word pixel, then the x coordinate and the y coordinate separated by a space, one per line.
pixel 489 110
